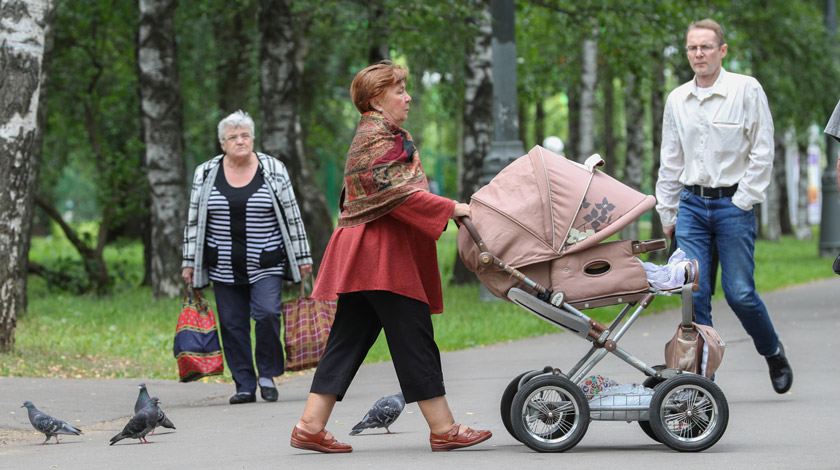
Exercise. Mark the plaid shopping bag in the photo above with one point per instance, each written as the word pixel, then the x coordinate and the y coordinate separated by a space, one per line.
pixel 196 346
pixel 307 324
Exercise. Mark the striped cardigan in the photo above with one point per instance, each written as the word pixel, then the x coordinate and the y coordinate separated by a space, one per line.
pixel 287 211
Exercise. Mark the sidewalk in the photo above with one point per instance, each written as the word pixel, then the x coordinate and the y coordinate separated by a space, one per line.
pixel 766 430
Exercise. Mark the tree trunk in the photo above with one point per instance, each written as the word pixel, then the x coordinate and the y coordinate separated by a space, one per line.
pixel 522 116
pixel 573 93
pixel 610 144
pixel 634 117
pixel 161 114
pixel 477 118
pixel 786 222
pixel 417 92
pixel 657 110
pixel 232 71
pixel 803 228
pixel 588 81
pixel 378 47
pixel 23 40
pixel 539 122
pixel 772 226
pixel 282 52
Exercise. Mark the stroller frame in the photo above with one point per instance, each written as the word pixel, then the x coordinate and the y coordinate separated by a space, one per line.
pixel 547 410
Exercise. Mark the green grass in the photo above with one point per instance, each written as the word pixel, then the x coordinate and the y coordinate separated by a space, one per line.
pixel 128 334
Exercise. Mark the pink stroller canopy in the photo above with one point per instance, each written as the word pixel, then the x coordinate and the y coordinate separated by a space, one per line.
pixel 543 206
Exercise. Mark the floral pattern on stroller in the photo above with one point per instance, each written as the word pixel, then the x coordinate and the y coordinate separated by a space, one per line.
pixel 538 238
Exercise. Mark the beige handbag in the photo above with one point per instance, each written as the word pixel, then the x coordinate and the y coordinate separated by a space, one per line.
pixel 695 348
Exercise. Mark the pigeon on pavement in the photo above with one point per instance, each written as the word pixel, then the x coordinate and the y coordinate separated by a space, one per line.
pixel 382 414
pixel 142 400
pixel 143 422
pixel 47 424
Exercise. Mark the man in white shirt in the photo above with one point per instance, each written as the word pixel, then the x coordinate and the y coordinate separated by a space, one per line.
pixel 716 162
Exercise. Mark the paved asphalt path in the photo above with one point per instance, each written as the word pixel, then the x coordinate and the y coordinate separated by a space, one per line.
pixel 766 430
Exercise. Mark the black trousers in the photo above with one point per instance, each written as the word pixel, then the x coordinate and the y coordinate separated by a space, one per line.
pixel 359 318
pixel 236 305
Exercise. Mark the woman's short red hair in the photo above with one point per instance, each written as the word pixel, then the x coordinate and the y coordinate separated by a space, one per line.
pixel 372 81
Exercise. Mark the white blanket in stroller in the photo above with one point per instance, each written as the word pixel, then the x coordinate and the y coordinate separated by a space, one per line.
pixel 672 274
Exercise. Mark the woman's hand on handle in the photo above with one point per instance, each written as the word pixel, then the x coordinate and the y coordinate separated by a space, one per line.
pixel 461 210
pixel 305 269
pixel 187 274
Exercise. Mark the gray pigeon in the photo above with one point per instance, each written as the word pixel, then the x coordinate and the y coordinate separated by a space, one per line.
pixel 47 424
pixel 382 414
pixel 143 422
pixel 142 400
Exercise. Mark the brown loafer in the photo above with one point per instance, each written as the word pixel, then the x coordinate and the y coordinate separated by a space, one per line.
pixel 317 442
pixel 453 440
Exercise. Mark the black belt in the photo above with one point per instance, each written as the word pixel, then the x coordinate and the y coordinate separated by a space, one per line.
pixel 712 193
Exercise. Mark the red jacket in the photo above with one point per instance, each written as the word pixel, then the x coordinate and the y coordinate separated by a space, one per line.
pixel 394 253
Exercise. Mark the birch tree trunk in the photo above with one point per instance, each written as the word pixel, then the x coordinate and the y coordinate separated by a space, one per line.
pixel 634 117
pixel 282 52
pixel 161 115
pixel 23 34
pixel 478 116
pixel 588 81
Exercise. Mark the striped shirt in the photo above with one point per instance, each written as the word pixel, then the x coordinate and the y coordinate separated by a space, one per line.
pixel 286 212
pixel 243 243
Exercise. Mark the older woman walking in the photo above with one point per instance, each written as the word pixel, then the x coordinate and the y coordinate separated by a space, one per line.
pixel 244 232
pixel 381 263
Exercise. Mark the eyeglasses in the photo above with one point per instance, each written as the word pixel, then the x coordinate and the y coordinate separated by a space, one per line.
pixel 706 48
pixel 245 136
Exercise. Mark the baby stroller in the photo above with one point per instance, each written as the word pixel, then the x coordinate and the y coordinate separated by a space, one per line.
pixel 536 238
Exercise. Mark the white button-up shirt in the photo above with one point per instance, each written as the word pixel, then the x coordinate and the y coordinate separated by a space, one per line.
pixel 715 139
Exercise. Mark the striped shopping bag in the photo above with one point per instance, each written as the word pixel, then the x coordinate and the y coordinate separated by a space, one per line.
pixel 196 346
pixel 307 324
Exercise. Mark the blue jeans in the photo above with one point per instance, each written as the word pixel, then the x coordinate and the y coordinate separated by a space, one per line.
pixel 704 222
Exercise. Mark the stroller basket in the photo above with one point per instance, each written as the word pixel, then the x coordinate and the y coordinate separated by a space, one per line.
pixel 545 221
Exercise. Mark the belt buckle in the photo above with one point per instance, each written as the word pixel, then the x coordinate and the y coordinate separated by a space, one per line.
pixel 703 193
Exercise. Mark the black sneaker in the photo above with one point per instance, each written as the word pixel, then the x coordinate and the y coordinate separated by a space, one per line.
pixel 243 398
pixel 781 375
pixel 268 393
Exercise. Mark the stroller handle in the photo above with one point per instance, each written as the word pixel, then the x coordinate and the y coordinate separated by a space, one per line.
pixel 473 232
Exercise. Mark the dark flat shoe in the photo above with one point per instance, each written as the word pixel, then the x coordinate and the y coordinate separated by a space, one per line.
pixel 269 393
pixel 243 398
pixel 317 442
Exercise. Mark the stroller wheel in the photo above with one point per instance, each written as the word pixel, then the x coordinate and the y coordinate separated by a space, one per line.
pixel 689 413
pixel 550 414
pixel 650 382
pixel 507 402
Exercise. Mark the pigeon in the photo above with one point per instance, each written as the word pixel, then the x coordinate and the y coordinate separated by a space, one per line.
pixel 142 400
pixel 47 424
pixel 143 422
pixel 382 414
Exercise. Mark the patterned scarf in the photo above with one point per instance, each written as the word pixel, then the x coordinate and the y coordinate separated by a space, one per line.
pixel 383 168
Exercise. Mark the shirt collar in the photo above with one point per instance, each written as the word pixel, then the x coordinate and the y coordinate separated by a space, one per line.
pixel 718 88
